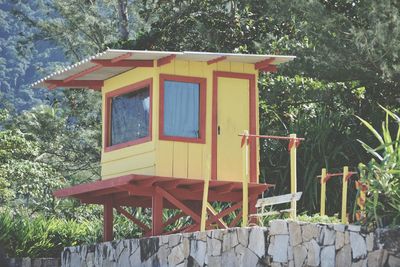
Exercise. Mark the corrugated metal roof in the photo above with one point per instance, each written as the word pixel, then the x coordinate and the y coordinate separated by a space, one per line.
pixel 87 70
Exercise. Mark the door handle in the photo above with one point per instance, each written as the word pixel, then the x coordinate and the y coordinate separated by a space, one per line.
pixel 219 130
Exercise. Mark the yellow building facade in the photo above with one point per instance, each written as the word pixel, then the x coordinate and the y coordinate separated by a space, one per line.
pixel 180 158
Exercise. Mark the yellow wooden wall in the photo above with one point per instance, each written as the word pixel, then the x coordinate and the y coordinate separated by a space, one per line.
pixel 160 157
pixel 137 159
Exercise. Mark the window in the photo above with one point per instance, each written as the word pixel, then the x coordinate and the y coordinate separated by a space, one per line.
pixel 182 108
pixel 128 119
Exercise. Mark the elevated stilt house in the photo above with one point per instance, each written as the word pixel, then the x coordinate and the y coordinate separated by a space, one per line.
pixel 171 126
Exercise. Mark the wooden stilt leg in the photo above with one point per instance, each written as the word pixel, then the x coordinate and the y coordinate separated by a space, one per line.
pixel 253 209
pixel 157 214
pixel 108 220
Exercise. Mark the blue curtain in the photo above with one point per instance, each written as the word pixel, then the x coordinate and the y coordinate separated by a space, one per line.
pixel 130 116
pixel 181 109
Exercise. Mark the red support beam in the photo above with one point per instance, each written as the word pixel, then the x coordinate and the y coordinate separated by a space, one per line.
pixel 108 220
pixel 94 84
pixel 223 188
pixel 157 214
pixel 173 219
pixel 178 204
pixel 224 213
pixel 169 184
pixel 229 210
pixel 125 63
pixel 236 220
pixel 82 73
pixel 263 63
pixel 270 68
pixel 192 228
pixel 105 192
pixel 121 57
pixel 214 218
pixel 146 182
pixel 144 227
pixel 137 190
pixel 253 209
pixel 215 60
pixel 198 187
pixel 165 60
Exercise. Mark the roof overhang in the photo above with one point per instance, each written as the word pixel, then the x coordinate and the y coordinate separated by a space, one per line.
pixel 93 71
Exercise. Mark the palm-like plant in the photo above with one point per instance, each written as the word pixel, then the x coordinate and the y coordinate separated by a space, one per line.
pixel 382 173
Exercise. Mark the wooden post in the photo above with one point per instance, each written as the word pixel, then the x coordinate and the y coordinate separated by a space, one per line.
pixel 157 214
pixel 293 176
pixel 245 185
pixel 108 220
pixel 204 205
pixel 323 191
pixel 344 194
pixel 205 194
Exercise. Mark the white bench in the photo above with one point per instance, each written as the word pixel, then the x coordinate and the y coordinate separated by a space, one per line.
pixel 270 201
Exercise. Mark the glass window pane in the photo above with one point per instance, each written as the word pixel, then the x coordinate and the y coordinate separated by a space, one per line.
pixel 130 116
pixel 181 109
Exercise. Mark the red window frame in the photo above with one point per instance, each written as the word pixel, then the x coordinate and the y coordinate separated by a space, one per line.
pixel 107 128
pixel 202 108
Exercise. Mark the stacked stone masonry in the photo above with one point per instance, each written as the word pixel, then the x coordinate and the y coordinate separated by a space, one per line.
pixel 283 243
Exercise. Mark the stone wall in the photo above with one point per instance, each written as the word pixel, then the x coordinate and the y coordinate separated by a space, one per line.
pixel 38 262
pixel 283 243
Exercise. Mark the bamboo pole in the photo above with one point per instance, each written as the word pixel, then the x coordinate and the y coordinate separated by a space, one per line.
pixel 205 196
pixel 293 176
pixel 245 185
pixel 344 194
pixel 323 191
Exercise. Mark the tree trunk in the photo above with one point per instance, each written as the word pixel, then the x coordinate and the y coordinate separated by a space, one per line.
pixel 123 16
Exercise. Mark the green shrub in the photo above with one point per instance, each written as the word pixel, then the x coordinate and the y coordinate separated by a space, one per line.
pixel 382 173
pixel 27 236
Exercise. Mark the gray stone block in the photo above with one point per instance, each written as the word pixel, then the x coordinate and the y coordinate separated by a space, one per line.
pixel 278 248
pixel 313 253
pixel 295 233
pixel 358 246
pixel 343 257
pixel 278 227
pixel 257 242
pixel 377 258
pixel 299 255
pixel 328 256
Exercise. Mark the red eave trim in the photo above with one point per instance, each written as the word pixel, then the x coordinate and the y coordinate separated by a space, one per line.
pixel 215 60
pixel 94 84
pixel 123 63
pixel 270 68
pixel 263 63
pixel 82 73
pixel 121 57
pixel 165 60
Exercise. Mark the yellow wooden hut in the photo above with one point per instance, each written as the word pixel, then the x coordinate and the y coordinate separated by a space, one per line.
pixel 171 126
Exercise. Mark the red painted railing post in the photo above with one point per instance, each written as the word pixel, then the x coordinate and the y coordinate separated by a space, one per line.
pixel 108 220
pixel 157 214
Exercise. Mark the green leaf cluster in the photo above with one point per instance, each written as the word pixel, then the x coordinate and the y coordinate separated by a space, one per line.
pixel 382 173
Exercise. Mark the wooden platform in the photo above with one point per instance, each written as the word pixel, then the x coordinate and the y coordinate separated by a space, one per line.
pixel 160 193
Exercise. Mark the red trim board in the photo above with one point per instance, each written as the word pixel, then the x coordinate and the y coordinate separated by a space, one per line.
pixel 202 106
pixel 107 115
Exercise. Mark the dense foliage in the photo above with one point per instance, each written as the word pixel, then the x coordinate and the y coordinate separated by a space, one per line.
pixel 382 173
pixel 347 62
